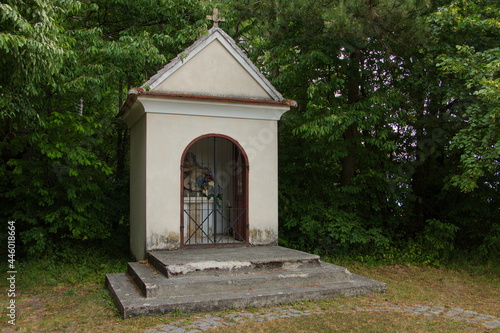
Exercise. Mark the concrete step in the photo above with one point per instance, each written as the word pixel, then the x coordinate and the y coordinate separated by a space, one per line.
pixel 153 284
pixel 197 280
pixel 131 303
pixel 235 260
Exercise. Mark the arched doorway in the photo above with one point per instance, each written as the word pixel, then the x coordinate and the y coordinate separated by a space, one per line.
pixel 214 207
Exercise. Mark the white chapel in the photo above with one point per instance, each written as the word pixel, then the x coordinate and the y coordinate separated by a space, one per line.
pixel 204 151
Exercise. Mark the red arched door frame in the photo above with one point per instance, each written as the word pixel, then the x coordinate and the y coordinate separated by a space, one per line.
pixel 237 214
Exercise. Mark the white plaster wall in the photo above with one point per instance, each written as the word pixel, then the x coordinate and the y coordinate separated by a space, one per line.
pixel 215 72
pixel 167 137
pixel 138 188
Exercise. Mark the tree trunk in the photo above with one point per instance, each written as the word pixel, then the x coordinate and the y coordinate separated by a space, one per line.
pixel 348 162
pixel 121 142
pixel 353 96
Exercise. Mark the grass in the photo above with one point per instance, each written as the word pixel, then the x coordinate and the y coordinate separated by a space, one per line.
pixel 68 295
pixel 441 286
pixel 359 322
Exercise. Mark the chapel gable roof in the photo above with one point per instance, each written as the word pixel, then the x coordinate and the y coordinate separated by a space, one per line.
pixel 213 66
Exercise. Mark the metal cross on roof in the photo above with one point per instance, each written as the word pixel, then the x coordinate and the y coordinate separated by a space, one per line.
pixel 215 17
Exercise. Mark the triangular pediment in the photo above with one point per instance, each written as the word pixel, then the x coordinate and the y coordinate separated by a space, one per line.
pixel 213 66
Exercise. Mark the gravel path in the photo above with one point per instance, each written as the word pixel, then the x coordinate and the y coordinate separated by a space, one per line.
pixel 207 322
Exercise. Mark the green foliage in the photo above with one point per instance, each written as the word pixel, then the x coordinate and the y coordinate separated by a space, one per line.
pixel 63 186
pixel 66 66
pixel 392 127
pixel 73 263
pixel 436 241
pixel 32 43
pixel 474 65
pixel 393 150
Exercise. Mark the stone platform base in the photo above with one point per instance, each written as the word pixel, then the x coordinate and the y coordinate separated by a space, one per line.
pixel 212 279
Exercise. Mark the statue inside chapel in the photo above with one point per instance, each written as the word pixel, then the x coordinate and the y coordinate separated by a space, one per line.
pixel 194 176
pixel 198 180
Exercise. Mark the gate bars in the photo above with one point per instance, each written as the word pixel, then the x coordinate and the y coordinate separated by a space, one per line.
pixel 214 197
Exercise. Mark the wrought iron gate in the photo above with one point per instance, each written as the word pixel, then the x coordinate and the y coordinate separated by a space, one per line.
pixel 214 186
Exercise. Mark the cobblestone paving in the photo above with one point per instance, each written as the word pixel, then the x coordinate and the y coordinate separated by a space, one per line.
pixel 203 323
